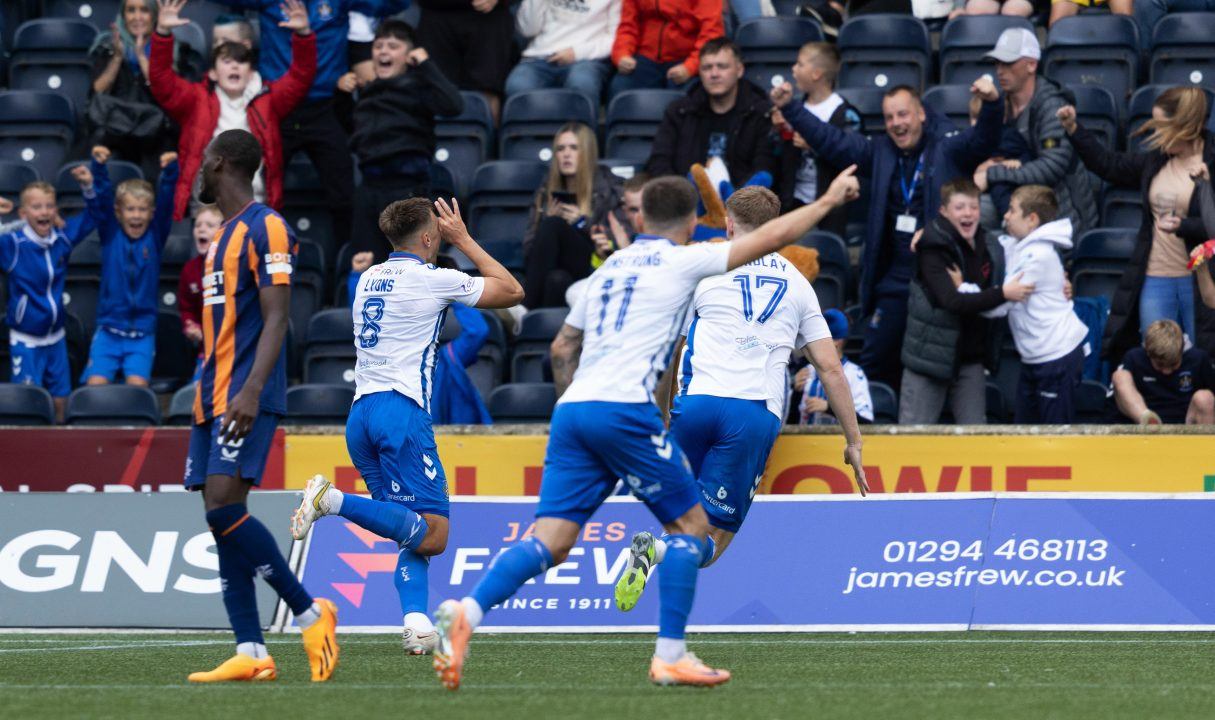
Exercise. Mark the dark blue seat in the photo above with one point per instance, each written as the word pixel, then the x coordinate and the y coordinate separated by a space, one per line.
pixel 632 121
pixel 465 141
pixel 868 102
pixel 831 285
pixel 36 128
pixel 885 403
pixel 536 334
pixel 25 405
pixel 98 13
pixel 884 51
pixel 318 404
pixel 952 100
pixel 1182 50
pixel 52 55
pixel 194 37
pixel 501 198
pixel 181 406
pixel 522 402
pixel 967 39
pixel 330 353
pixel 67 190
pixel 1100 259
pixel 1094 50
pixel 80 297
pixel 14 176
pixel 304 206
pixel 1122 208
pixel 1097 110
pixel 769 46
pixel 112 405
pixel 203 15
pixel 487 372
pixel 530 119
pixel 1139 111
pixel 442 182
pixel 176 357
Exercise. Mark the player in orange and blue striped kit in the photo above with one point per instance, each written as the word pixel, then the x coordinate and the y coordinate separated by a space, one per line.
pixel 241 394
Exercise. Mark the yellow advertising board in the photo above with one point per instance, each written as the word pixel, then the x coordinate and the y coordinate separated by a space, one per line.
pixel 512 464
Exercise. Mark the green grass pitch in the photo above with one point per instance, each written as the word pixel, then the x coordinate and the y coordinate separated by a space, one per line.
pixel 1027 676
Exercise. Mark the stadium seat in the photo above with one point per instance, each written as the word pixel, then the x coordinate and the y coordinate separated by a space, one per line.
pixel 831 285
pixel 112 405
pixel 77 345
pixel 203 14
pixel 330 353
pixel 486 372
pixel 1092 403
pixel 25 405
pixel 1097 111
pixel 179 249
pixel 883 51
pixel 769 47
pixel 1122 208
pixel 522 402
pixel 195 38
pixel 464 141
pixel 318 404
pixel 501 199
pixel 885 403
pixel 1094 50
pixel 967 39
pixel 80 296
pixel 1099 260
pixel 36 128
pixel 952 100
pixel 868 102
pixel 1182 52
pixel 442 182
pixel 14 176
pixel 530 119
pixel 181 407
pixel 304 204
pixel 536 334
pixel 98 13
pixel 632 121
pixel 1139 111
pixel 67 190
pixel 787 8
pixel 997 406
pixel 176 357
pixel 52 55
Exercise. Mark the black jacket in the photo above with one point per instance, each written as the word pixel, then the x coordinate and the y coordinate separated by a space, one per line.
pixel 395 116
pixel 1136 170
pixel 750 146
pixel 606 197
pixel 845 117
pixel 947 331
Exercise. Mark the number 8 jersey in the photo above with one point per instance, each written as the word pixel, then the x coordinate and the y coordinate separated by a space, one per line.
pixel 742 329
pixel 399 309
pixel 631 313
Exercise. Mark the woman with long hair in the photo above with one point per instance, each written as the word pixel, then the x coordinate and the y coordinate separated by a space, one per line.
pixel 570 207
pixel 1177 148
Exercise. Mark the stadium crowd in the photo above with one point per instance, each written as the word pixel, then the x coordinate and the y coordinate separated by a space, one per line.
pixel 1030 245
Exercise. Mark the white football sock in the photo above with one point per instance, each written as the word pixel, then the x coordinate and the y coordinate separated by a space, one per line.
pixel 333 499
pixel 670 650
pixel 660 550
pixel 418 622
pixel 472 612
pixel 257 651
pixel 305 619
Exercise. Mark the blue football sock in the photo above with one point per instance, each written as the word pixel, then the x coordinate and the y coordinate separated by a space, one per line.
pixel 507 573
pixel 412 581
pixel 386 519
pixel 710 550
pixel 236 582
pixel 247 534
pixel 677 583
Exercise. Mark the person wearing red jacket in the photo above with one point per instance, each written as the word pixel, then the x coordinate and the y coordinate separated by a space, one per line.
pixel 207 220
pixel 232 97
pixel 658 42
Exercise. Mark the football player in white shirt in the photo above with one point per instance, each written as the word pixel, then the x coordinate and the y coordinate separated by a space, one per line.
pixel 399 310
pixel 606 359
pixel 740 334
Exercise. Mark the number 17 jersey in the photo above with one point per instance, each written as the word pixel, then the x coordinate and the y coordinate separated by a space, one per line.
pixel 743 327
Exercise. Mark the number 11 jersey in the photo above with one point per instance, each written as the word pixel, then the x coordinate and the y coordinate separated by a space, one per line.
pixel 399 309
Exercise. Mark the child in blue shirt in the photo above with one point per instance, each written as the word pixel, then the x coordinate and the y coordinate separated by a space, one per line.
pixel 34 255
pixel 133 225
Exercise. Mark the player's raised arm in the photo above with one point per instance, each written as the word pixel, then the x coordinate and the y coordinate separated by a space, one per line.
pixel 786 229
pixel 502 290
pixel 826 360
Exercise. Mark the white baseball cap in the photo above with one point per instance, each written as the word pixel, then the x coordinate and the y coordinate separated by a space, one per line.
pixel 1014 44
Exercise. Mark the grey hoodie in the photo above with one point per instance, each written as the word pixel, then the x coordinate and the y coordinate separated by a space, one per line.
pixel 1045 326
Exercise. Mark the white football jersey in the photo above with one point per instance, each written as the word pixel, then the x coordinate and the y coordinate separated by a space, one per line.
pixel 631 313
pixel 743 327
pixel 399 309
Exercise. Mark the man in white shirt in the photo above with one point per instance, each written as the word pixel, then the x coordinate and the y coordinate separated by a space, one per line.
pixel 606 359
pixel 570 42
pixel 399 310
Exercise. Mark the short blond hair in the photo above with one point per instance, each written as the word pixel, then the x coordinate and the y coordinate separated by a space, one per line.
pixel 752 206
pixel 39 186
pixel 136 189
pixel 1164 343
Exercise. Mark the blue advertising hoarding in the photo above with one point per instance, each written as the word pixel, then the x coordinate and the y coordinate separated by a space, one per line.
pixel 984 560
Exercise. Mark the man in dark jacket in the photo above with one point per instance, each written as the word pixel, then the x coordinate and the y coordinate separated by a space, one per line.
pixel 905 170
pixel 1033 102
pixel 724 116
pixel 394 128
